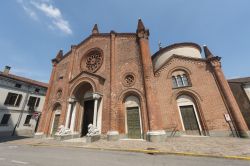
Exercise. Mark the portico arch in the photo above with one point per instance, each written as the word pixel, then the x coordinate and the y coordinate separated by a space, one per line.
pixel 84 108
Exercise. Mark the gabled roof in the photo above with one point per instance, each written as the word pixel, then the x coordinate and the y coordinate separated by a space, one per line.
pixel 240 80
pixel 23 79
pixel 98 35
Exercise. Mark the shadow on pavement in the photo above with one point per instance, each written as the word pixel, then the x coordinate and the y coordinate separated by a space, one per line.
pixel 11 138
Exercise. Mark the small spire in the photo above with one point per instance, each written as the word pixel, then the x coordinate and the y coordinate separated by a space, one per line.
pixel 207 52
pixel 59 55
pixel 159 45
pixel 140 26
pixel 95 29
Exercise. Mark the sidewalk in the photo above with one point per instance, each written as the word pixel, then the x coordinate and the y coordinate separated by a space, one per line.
pixel 196 146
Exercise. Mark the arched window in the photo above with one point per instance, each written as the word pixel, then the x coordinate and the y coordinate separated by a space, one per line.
pixel 180 79
pixel 174 82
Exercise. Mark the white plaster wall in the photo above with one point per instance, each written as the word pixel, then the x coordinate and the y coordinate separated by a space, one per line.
pixel 12 121
pixel 7 86
pixel 188 51
pixel 21 129
pixel 40 106
pixel 3 94
pixel 247 90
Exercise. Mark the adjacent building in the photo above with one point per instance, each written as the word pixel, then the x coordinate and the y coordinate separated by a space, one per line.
pixel 111 80
pixel 241 90
pixel 21 103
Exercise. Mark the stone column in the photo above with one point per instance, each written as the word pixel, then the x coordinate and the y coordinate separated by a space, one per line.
pixel 73 117
pixel 70 119
pixel 96 97
pixel 156 133
pixel 68 115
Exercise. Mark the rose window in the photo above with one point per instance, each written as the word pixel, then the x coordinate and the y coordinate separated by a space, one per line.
pixel 129 80
pixel 94 61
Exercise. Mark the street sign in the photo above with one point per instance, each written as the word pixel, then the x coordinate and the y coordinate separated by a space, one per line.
pixel 36 115
pixel 227 117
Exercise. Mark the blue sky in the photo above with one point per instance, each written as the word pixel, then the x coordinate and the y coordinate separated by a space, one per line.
pixel 32 31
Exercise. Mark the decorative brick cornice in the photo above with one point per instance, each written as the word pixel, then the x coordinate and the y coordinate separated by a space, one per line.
pixel 100 78
pixel 179 57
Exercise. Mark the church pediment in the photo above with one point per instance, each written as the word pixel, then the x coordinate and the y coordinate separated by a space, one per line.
pixel 90 75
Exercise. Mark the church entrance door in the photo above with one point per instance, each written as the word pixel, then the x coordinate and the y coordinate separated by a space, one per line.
pixel 55 124
pixel 189 120
pixel 88 115
pixel 133 123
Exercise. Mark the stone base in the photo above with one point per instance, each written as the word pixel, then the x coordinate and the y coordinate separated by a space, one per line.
pixel 65 137
pixel 93 138
pixel 113 136
pixel 39 135
pixel 244 134
pixel 156 136
pixel 222 133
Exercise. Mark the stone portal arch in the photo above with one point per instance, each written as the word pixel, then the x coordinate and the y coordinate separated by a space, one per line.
pixel 84 108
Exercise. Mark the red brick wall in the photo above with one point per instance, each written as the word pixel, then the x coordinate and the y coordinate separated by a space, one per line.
pixel 127 54
pixel 203 89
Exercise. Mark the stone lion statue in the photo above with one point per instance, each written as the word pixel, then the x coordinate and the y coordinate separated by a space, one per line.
pixel 63 130
pixel 92 130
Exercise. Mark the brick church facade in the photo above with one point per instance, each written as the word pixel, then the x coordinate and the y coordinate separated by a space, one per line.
pixel 112 81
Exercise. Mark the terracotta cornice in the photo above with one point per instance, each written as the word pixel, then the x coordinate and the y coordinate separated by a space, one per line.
pixel 98 35
pixel 100 78
pixel 164 65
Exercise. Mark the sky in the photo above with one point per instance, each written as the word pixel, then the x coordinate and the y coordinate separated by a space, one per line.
pixel 33 31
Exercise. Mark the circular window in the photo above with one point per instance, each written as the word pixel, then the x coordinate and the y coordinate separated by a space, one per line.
pixel 129 79
pixel 94 60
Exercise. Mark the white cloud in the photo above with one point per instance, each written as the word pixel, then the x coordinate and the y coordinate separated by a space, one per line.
pixel 48 9
pixel 30 12
pixel 56 20
pixel 63 25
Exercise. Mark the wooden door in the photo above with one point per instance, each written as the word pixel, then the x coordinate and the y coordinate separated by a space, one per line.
pixel 55 124
pixel 133 123
pixel 88 116
pixel 189 120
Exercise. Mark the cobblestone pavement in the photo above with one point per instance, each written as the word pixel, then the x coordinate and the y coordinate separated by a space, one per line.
pixel 200 145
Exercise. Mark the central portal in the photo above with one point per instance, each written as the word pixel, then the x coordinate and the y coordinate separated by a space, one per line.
pixel 88 116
